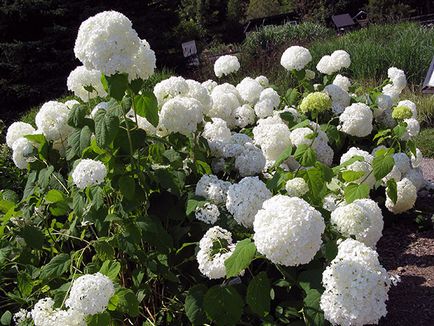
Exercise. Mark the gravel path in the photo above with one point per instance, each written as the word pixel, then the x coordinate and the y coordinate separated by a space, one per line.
pixel 427 166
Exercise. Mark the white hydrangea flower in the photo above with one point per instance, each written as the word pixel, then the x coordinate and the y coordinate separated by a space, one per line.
pixel 224 101
pixel 22 149
pixel 342 81
pixel 226 65
pixel 331 202
pixel 17 130
pixel 362 219
pixel 249 90
pixel 263 81
pixel 356 120
pixel 288 230
pixel 296 187
pixel 413 129
pixel 416 177
pixel 395 174
pixel 391 91
pixel 407 195
pixel 340 59
pixel 43 314
pixel 416 160
pixel 90 294
pixel 295 57
pixel 181 114
pixel 409 104
pixel 214 248
pixel 356 286
pixel 235 145
pixel 324 65
pixel 212 188
pixel 21 316
pixel 269 100
pixel 209 213
pixel 402 162
pixel 354 151
pixel 360 166
pixel 250 161
pixel 273 136
pixel 209 85
pixel 52 121
pixel 243 116
pixel 170 88
pixel 88 173
pixel 144 62
pixel 197 91
pixel 217 134
pixel 245 199
pixel 397 76
pixel 299 136
pixel 82 77
pixel 340 98
pixel 142 122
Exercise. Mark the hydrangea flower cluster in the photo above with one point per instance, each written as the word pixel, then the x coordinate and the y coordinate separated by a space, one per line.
pixel 296 187
pixel 316 102
pixel 226 65
pixel 329 64
pixel 89 173
pixel 295 58
pixel 356 120
pixel 52 121
pixel 43 314
pixel 85 83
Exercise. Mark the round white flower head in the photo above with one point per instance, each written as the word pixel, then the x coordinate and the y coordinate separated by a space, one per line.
pixel 354 151
pixel 250 161
pixel 269 100
pixel 402 162
pixel 407 195
pixel 144 62
pixel 340 59
pixel 413 129
pixel 416 160
pixel 299 136
pixel 18 130
pixel 52 121
pixel 395 174
pixel 217 134
pixel 324 65
pixel 170 88
pixel 209 85
pixel 295 57
pixel 331 202
pixel 209 213
pixel 409 104
pixel 200 93
pixel 21 316
pixel 226 65
pixel 249 90
pixel 397 76
pixel 85 83
pixel 214 248
pixel 273 136
pixel 224 101
pixel 288 230
pixel 356 286
pixel 361 219
pixel 212 188
pixel 340 98
pixel 90 294
pixel 21 153
pixel 391 91
pixel 364 165
pixel 296 187
pixel 416 177
pixel 71 103
pixel 243 116
pixel 342 81
pixel 43 314
pixel 263 81
pixel 245 199
pixel 89 173
pixel 356 120
pixel 181 114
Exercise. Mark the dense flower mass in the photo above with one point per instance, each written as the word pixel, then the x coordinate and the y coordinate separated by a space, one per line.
pixel 296 187
pixel 226 65
pixel 181 114
pixel 22 149
pixel 356 286
pixel 316 102
pixel 89 173
pixel 43 314
pixel 52 121
pixel 288 230
pixel 295 57
pixel 85 83
pixel 17 130
pixel 90 294
pixel 357 120
pixel 406 197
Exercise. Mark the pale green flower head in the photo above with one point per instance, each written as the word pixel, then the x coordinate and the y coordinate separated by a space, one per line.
pixel 316 102
pixel 401 113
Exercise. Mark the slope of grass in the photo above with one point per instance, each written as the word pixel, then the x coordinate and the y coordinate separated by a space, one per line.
pixel 425 142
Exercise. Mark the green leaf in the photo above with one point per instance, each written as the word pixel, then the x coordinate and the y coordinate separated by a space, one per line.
pixel 301 124
pixel 194 304
pixel 102 319
pixel 355 158
pixel 241 258
pixel 6 318
pixel 117 85
pixel 223 305
pixel 104 250
pixel 258 294
pixel 30 184
pixel 400 130
pixel 194 203
pixel 106 128
pixel 382 165
pixel 56 267
pixel 310 279
pixel 315 180
pixel 54 196
pixel 278 181
pixel 305 155
pixel 356 191
pixel 283 156
pixel 312 312
pixel 136 85
pixel 128 302
pixel 350 176
pixel 127 186
pixel 291 96
pixel 146 106
pixel 25 284
pixel 77 116
pixel 110 269
pixel 392 190
pixel 33 236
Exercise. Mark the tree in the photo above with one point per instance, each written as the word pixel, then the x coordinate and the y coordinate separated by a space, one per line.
pixel 262 8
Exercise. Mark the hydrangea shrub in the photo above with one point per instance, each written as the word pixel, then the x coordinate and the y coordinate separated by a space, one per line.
pixel 204 203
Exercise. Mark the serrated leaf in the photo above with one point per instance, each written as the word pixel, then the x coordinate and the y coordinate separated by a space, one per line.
pixel 102 319
pixel 356 191
pixel 127 302
pixel 392 190
pixel 283 156
pixel 127 186
pixel 305 155
pixel 56 267
pixel 106 128
pixel 258 294
pixel 117 85
pixel 194 304
pixel 110 269
pixel 195 203
pixel 382 165
pixel 146 106
pixel 104 250
pixel 350 176
pixel 54 196
pixel 312 312
pixel 241 258
pixel 223 305
pixel 77 115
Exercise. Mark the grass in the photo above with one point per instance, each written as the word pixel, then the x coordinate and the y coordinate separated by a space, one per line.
pixel 425 142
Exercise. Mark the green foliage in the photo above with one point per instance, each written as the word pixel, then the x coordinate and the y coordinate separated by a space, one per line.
pixel 262 8
pixel 241 258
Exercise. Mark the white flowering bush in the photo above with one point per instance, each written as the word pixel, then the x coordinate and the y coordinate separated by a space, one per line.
pixel 194 202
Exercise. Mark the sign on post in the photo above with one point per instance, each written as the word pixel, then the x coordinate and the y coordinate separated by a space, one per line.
pixel 428 84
